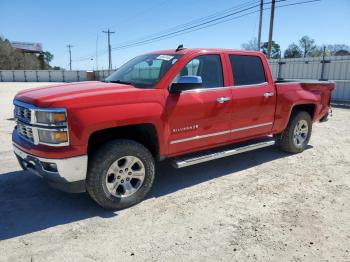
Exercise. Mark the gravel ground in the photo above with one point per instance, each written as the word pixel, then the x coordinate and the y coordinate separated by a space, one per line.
pixel 263 205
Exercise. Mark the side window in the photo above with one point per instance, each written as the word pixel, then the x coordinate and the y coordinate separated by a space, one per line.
pixel 247 70
pixel 206 66
pixel 192 67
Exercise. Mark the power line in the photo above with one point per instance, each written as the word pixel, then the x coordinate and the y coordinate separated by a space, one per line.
pixel 143 12
pixel 194 30
pixel 210 25
pixel 83 58
pixel 192 26
pixel 195 21
pixel 203 26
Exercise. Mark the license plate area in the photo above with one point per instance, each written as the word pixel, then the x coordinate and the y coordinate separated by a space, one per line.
pixel 28 163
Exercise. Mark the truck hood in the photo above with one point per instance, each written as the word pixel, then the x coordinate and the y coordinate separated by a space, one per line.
pixel 74 94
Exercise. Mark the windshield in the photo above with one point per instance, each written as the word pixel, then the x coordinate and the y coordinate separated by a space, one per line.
pixel 144 71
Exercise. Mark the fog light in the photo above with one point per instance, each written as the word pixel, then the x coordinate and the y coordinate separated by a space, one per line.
pixel 51 167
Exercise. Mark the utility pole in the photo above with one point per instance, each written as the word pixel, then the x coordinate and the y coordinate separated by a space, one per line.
pixel 70 56
pixel 260 24
pixel 271 28
pixel 96 53
pixel 108 32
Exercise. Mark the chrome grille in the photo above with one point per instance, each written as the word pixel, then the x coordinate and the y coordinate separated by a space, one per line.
pixel 27 126
pixel 23 114
pixel 25 131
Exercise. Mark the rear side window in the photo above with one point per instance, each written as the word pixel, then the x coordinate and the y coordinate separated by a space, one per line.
pixel 247 70
pixel 206 66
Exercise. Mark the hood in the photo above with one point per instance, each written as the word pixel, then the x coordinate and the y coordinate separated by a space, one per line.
pixel 64 95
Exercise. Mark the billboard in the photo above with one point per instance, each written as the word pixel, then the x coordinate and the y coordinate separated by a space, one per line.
pixel 27 46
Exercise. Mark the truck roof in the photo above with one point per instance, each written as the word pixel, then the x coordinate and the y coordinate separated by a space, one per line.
pixel 203 50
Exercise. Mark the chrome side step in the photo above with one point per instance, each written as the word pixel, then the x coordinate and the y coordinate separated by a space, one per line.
pixel 204 157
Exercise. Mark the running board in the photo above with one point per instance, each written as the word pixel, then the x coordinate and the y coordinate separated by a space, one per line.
pixel 205 156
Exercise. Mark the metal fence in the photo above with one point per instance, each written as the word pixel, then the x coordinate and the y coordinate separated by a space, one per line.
pixel 42 76
pixel 333 68
pixel 101 75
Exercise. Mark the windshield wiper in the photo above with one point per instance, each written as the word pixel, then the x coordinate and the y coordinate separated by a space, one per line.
pixel 120 82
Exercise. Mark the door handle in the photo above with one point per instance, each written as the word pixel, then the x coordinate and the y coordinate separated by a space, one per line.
pixel 223 99
pixel 268 94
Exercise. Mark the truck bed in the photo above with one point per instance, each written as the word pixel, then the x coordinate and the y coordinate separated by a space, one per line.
pixel 313 92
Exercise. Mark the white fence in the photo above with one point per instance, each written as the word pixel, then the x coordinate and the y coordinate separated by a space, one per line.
pixel 100 75
pixel 42 76
pixel 334 68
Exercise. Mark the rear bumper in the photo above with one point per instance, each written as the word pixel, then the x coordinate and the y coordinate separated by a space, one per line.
pixel 67 174
pixel 326 116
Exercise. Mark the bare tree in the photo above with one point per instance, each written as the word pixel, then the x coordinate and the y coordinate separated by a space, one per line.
pixel 338 49
pixel 251 45
pixel 307 45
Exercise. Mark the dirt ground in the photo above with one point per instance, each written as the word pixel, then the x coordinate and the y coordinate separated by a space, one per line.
pixel 258 206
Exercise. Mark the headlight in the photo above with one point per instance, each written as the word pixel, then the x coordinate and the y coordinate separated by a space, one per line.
pixel 52 136
pixel 47 117
pixel 37 125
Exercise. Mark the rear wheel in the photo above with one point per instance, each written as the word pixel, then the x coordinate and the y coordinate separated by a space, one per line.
pixel 296 136
pixel 120 174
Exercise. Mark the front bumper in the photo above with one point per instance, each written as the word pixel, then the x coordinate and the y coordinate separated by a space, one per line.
pixel 67 174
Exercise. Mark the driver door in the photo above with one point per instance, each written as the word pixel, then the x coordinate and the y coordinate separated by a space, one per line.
pixel 200 118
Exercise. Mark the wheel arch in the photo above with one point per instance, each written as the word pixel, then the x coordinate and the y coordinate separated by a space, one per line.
pixel 145 134
pixel 283 119
pixel 310 108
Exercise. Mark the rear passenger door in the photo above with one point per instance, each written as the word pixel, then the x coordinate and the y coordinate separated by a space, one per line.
pixel 253 97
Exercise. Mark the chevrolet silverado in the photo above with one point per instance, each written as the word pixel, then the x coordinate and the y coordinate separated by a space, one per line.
pixel 190 105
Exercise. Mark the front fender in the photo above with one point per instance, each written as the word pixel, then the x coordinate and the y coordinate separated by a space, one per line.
pixel 84 122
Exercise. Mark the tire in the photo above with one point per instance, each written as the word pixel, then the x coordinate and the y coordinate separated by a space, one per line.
pixel 108 181
pixel 288 140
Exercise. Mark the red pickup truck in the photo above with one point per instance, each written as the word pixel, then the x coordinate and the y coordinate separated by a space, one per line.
pixel 190 105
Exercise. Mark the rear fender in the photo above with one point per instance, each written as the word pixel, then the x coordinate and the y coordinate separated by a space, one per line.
pixel 292 99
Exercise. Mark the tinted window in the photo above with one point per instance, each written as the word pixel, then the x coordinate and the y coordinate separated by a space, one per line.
pixel 208 67
pixel 144 71
pixel 247 70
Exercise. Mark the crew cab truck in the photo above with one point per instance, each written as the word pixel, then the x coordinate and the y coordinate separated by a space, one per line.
pixel 190 105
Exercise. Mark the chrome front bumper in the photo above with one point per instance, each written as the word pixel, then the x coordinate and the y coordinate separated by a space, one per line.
pixel 67 174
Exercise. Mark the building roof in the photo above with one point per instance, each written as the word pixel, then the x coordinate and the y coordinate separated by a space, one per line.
pixel 27 46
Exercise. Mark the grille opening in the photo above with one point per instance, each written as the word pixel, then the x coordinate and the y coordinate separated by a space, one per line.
pixel 25 131
pixel 23 114
pixel 51 167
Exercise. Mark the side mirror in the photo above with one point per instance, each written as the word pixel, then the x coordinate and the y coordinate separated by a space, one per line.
pixel 186 83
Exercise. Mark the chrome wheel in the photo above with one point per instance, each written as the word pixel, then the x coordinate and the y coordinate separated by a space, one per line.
pixel 300 133
pixel 125 176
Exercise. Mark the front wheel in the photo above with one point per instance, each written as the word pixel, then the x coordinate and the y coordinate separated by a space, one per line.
pixel 296 136
pixel 120 174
